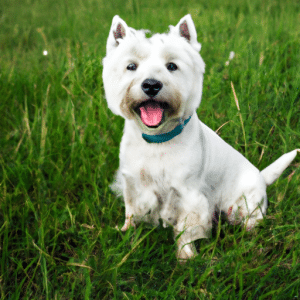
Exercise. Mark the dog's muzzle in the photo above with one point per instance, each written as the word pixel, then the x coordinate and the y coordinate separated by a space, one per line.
pixel 152 111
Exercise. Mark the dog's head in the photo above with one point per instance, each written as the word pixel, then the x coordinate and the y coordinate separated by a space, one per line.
pixel 155 81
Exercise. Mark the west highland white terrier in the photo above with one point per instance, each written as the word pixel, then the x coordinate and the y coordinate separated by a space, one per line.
pixel 172 166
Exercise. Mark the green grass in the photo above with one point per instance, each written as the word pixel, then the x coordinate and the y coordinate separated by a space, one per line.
pixel 59 150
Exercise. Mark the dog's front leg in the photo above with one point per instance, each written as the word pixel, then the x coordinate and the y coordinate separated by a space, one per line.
pixel 185 250
pixel 128 222
pixel 192 226
pixel 129 194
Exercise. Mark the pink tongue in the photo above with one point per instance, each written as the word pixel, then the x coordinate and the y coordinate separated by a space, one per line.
pixel 151 114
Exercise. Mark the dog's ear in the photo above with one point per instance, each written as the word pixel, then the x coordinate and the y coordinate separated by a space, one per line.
pixel 118 30
pixel 186 29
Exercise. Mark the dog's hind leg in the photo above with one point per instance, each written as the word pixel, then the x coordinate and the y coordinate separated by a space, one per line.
pixel 252 205
pixel 247 210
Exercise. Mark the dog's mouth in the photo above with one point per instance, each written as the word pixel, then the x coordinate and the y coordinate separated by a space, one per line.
pixel 151 112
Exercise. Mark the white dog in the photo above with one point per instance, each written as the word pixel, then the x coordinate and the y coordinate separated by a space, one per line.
pixel 172 166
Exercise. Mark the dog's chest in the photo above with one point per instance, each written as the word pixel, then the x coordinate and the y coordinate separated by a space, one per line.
pixel 157 169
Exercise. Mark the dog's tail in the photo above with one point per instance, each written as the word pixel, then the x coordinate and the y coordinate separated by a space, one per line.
pixel 274 170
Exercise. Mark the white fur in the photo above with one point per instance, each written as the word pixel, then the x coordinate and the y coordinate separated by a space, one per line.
pixel 184 180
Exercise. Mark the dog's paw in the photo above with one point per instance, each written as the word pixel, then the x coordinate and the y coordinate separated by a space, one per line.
pixel 186 252
pixel 252 222
pixel 128 222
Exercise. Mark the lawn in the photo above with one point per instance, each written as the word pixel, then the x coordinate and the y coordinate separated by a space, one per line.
pixel 59 151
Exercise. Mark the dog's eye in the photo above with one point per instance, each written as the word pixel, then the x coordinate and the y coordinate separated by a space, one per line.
pixel 172 67
pixel 132 67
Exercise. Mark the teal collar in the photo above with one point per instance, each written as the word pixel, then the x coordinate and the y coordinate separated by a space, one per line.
pixel 164 137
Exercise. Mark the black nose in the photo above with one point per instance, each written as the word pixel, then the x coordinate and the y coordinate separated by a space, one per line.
pixel 151 87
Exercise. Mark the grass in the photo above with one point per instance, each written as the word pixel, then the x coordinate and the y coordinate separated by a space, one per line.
pixel 59 150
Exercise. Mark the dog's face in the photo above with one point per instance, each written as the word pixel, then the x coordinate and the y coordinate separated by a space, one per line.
pixel 155 81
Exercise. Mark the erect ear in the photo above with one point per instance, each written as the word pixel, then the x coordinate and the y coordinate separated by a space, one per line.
pixel 118 30
pixel 186 29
